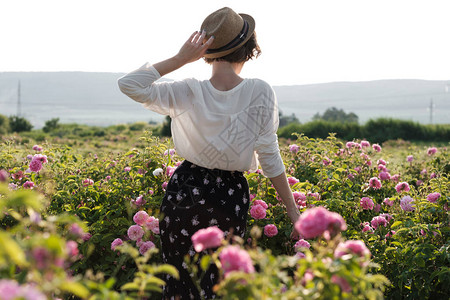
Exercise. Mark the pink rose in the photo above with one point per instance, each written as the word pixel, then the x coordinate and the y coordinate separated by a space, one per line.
pixel 37 148
pixel 409 158
pixel 374 183
pixel 350 145
pixel 292 180
pixel 366 203
pixel 367 228
pixel 407 203
pixel 234 258
pixel 431 151
pixel 356 247
pixel 171 152
pixel 72 248
pixel 395 178
pixel 4 175
pixel 301 244
pixel 76 230
pixel 140 217
pixel 376 147
pixel 164 185
pixel 299 198
pixel 387 216
pixel 28 184
pixel 35 165
pixel 433 197
pixel 381 162
pixel 402 187
pixel 319 221
pixel 258 212
pixel 378 221
pixel 390 234
pixel 388 202
pixel 127 169
pixel 115 243
pixel 365 144
pixel 384 175
pixel 316 196
pixel 210 237
pixel 135 232
pixel 270 230
pixel 145 247
pixel 140 201
pixel 152 224
pixel 170 170
pixel 260 202
pixel 86 236
pixel 294 148
pixel 88 182
pixel 326 161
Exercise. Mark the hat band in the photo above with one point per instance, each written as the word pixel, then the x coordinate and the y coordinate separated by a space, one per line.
pixel 236 41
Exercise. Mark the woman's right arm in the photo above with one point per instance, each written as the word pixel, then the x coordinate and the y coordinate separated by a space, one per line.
pixel 192 50
pixel 164 98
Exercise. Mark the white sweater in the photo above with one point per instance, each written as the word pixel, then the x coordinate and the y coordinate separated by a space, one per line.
pixel 228 130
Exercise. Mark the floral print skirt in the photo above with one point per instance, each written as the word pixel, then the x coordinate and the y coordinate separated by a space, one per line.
pixel 196 198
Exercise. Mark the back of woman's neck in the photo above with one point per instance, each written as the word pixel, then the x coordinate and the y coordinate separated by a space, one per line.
pixel 225 75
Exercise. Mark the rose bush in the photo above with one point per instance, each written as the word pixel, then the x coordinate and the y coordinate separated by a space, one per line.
pixel 403 219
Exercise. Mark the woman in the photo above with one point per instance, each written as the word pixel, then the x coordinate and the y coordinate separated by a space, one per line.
pixel 222 127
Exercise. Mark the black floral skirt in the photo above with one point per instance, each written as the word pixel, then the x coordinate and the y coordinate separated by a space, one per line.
pixel 197 198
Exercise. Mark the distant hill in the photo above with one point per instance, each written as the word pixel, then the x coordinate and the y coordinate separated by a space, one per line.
pixel 95 99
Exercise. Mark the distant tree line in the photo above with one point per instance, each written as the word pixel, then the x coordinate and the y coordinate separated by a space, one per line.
pixel 378 130
pixel 336 115
pixel 14 124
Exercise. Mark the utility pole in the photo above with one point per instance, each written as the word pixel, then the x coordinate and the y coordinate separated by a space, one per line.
pixel 18 101
pixel 431 110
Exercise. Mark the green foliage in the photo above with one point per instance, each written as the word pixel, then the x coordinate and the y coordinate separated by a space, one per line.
pixel 383 129
pixel 138 126
pixel 285 120
pixel 166 129
pixel 414 259
pixel 51 125
pixel 336 115
pixel 322 129
pixel 378 131
pixel 4 125
pixel 19 124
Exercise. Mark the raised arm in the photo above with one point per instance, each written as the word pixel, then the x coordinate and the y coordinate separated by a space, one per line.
pixel 166 98
pixel 192 50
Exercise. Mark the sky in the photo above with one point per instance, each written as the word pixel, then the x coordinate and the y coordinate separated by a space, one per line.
pixel 302 41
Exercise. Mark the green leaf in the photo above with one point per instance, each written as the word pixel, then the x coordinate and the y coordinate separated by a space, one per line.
pixel 167 269
pixel 156 281
pixel 204 262
pixel 75 288
pixel 8 247
pixel 396 223
pixel 130 286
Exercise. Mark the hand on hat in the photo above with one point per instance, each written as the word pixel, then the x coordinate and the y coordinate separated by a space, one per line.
pixel 194 48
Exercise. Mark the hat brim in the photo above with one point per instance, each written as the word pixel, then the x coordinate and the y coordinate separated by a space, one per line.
pixel 251 29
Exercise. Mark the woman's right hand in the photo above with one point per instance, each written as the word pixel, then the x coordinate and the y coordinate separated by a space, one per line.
pixel 194 48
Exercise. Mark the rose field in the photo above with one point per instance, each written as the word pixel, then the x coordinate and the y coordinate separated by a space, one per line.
pixel 79 220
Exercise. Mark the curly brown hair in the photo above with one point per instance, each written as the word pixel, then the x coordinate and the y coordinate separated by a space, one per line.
pixel 248 51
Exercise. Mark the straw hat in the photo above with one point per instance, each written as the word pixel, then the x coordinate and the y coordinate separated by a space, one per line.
pixel 230 31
